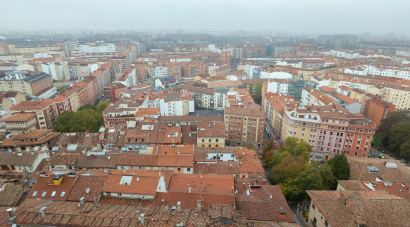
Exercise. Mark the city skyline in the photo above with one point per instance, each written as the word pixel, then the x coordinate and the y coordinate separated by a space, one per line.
pixel 344 17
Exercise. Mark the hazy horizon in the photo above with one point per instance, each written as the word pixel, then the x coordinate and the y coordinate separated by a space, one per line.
pixel 292 16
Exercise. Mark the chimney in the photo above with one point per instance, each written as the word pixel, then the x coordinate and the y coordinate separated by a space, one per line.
pixel 189 189
pixel 82 202
pixel 282 216
pixel 166 206
pixel 87 191
pixel 142 218
pixel 179 206
pixel 43 211
pixel 32 152
pixel 109 157
pixel 10 211
pixel 198 205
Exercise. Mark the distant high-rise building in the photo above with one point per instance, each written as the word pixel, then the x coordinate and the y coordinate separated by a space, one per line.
pixel 337 41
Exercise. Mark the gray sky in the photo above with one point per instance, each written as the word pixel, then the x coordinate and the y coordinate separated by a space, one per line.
pixel 311 16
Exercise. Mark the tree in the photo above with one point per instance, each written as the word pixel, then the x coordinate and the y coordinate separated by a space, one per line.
pixel 268 145
pixel 102 106
pixel 316 176
pixel 405 150
pixel 63 122
pixel 268 157
pixel 297 147
pixel 340 167
pixel 287 170
pixel 86 119
pixel 391 120
pixel 398 135
pixel 88 106
pixel 249 145
pixel 258 88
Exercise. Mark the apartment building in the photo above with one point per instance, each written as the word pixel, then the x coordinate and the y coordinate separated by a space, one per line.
pixel 21 123
pixel 103 75
pixel 376 109
pixel 325 128
pixel 359 135
pixel 32 84
pixel 45 110
pixel 99 47
pixel 181 106
pixel 311 97
pixel 244 123
pixel 10 98
pixel 190 69
pixel 398 95
pixel 211 134
pixel 275 109
pixel 114 92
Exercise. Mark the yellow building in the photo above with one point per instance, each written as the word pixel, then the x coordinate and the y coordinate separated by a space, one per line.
pixel 397 95
pixel 301 124
pixel 211 134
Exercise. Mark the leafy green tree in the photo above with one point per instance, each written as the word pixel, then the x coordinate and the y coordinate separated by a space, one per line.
pixel 63 122
pixel 88 106
pixel 391 120
pixel 398 135
pixel 316 176
pixel 340 167
pixel 268 157
pixel 102 106
pixel 258 88
pixel 291 191
pixel 86 119
pixel 405 150
pixel 297 147
pixel 287 169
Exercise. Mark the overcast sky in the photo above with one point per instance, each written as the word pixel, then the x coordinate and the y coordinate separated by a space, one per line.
pixel 313 16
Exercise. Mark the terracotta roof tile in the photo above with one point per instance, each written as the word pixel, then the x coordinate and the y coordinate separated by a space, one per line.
pixel 264 203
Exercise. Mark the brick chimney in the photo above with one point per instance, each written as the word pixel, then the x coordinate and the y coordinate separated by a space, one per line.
pixel 282 216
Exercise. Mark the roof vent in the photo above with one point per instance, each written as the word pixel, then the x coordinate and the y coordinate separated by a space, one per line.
pixel 87 191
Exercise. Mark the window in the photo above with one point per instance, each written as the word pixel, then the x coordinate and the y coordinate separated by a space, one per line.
pixel 44 194
pixel 188 169
pixel 179 169
pixel 119 194
pixel 53 193
pixel 326 224
pixel 216 140
pixel 62 194
pixel 252 224
pixel 313 206
pixel 209 140
pixel 34 193
pixel 203 140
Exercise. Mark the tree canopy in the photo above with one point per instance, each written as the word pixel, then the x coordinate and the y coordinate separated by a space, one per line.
pixel 291 169
pixel 88 106
pixel 249 145
pixel 102 106
pixel 340 167
pixel 80 121
pixel 398 135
